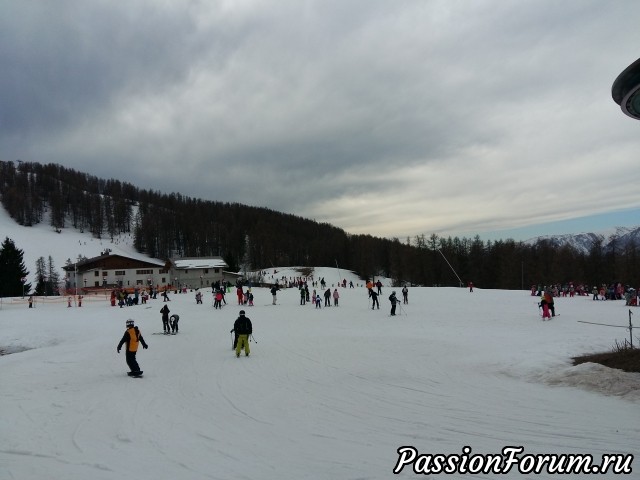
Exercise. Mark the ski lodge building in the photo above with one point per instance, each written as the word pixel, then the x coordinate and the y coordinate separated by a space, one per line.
pixel 109 271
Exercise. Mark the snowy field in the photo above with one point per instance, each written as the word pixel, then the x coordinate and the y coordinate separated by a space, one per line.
pixel 328 394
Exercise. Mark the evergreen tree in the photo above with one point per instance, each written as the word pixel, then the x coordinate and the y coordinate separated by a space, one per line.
pixel 41 277
pixel 53 278
pixel 12 270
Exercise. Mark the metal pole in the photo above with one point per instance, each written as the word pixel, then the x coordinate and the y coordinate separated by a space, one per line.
pixel 454 272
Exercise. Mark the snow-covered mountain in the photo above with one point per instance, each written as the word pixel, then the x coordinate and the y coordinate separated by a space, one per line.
pixel 618 237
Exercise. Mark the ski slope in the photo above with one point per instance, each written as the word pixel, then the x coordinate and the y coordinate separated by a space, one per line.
pixel 326 394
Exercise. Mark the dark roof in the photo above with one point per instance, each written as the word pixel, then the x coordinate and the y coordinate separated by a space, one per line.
pixel 626 90
pixel 98 260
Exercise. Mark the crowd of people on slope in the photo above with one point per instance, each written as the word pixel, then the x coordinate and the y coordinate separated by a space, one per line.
pixel 604 291
pixel 242 328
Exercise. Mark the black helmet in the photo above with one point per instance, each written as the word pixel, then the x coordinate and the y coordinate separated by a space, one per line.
pixel 242 312
pixel 129 323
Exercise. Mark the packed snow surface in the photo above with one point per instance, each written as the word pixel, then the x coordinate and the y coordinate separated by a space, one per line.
pixel 328 393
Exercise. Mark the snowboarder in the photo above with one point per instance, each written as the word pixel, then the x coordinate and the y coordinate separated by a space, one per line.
pixel 274 290
pixel 242 328
pixel 165 319
pixel 132 337
pixel 394 300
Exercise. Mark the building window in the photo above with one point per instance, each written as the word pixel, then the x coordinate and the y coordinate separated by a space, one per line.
pixel 216 270
pixel 163 270
pixel 139 282
pixel 119 272
pixel 96 273
pixel 104 274
pixel 206 270
pixel 144 272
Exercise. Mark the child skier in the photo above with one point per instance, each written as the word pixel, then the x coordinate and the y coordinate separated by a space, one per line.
pixel 394 300
pixel 173 322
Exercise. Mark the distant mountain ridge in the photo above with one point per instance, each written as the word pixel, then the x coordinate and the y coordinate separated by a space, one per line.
pixel 618 238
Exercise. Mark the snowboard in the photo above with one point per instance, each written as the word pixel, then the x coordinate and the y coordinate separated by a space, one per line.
pixel 135 374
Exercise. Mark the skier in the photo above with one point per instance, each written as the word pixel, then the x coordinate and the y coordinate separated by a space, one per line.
pixel 405 295
pixel 242 328
pixel 545 310
pixel 218 299
pixel 327 297
pixel 239 294
pixel 336 296
pixel 165 319
pixel 132 337
pixel 394 300
pixel 274 290
pixel 374 299
pixel 547 297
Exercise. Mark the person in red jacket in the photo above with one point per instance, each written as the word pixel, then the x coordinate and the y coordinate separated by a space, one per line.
pixel 132 338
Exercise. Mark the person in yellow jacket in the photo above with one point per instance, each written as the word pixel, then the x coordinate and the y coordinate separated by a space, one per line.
pixel 132 338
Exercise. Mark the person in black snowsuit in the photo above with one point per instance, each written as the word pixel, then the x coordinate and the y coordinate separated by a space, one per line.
pixel 165 319
pixel 394 300
pixel 132 337
pixel 173 321
pixel 374 299
pixel 327 297
pixel 242 328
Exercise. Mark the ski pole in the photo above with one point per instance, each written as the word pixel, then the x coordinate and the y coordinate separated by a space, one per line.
pixel 254 339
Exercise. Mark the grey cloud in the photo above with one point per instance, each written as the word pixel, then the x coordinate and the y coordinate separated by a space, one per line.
pixel 292 105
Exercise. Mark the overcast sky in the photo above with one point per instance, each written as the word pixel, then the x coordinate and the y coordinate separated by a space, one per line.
pixel 392 118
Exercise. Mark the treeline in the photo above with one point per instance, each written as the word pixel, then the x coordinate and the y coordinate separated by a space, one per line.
pixel 173 225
